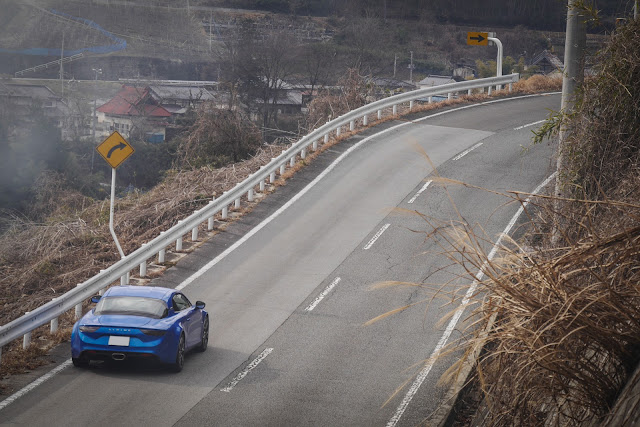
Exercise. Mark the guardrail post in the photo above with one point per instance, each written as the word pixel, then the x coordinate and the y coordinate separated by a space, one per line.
pixel 395 110
pixel 365 120
pixel 510 87
pixel 179 244
pixel 410 105
pixel 78 313
pixel 315 145
pixel 250 195
pixel 469 92
pixel 352 125
pixel 225 212
pixel 236 204
pixel 210 223
pixel 53 328
pixel 282 169
pixel 194 234
pixel 161 255
pixel 303 153
pixel 450 96
pixel 379 114
pixel 339 128
pixel 26 339
pixel 292 161
pixel 143 268
pixel 326 138
pixel 262 186
pixel 489 90
pixel 124 280
pixel 272 177
pixel 431 100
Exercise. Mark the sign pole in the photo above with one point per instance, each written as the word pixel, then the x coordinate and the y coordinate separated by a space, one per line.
pixel 113 196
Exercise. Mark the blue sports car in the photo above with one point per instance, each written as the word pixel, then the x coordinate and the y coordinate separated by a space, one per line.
pixel 140 322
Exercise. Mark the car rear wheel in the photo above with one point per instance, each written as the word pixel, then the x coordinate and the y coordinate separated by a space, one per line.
pixel 80 362
pixel 179 363
pixel 204 341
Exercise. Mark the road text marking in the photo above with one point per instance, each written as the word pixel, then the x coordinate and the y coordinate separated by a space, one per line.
pixel 464 153
pixel 456 317
pixel 246 370
pixel 323 294
pixel 424 187
pixel 376 237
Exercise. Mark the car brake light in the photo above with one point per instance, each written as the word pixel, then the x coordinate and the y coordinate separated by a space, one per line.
pixel 88 328
pixel 153 332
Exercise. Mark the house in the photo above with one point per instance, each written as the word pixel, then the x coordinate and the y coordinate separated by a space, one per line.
pixel 134 110
pixel 547 63
pixel 434 80
pixel 387 86
pixel 24 98
pixel 178 99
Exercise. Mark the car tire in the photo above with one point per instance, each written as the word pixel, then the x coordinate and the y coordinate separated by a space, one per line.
pixel 204 339
pixel 179 363
pixel 80 362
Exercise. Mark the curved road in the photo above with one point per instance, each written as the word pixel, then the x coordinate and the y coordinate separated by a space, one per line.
pixel 288 304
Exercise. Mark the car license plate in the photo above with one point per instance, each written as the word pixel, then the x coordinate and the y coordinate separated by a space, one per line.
pixel 117 340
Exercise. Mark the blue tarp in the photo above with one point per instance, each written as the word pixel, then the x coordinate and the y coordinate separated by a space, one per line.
pixel 119 44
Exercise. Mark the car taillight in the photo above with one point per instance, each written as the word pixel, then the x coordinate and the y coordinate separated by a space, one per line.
pixel 153 332
pixel 88 328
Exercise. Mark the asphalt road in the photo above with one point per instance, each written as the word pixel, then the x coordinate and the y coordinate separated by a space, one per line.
pixel 288 306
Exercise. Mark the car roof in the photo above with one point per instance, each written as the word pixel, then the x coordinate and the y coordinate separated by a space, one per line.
pixel 140 291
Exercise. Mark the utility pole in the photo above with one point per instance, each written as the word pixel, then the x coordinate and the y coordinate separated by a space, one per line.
pixel 395 64
pixel 411 68
pixel 93 117
pixel 62 67
pixel 574 46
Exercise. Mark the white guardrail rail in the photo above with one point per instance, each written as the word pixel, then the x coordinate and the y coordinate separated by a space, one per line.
pixel 73 299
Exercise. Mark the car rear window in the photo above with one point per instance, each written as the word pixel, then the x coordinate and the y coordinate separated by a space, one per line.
pixel 132 306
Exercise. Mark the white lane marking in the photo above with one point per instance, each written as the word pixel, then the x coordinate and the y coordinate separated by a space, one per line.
pixel 424 187
pixel 376 237
pixel 452 324
pixel 530 124
pixel 323 294
pixel 465 152
pixel 15 396
pixel 200 272
pixel 251 366
pixel 284 207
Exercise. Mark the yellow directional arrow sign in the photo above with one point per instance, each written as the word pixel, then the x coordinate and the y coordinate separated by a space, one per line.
pixel 115 149
pixel 477 39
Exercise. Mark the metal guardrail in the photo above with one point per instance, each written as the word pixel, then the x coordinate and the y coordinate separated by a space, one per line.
pixel 48 64
pixel 73 299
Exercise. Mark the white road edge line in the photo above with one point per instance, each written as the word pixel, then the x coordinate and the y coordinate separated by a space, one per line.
pixel 251 366
pixel 454 321
pixel 530 124
pixel 15 396
pixel 424 187
pixel 323 294
pixel 376 237
pixel 200 272
pixel 467 151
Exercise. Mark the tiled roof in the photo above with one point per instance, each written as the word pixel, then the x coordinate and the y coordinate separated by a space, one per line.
pixel 130 101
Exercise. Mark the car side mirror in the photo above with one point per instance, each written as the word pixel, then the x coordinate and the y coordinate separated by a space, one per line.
pixel 200 305
pixel 95 298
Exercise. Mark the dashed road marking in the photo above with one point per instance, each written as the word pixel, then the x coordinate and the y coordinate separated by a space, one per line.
pixel 323 294
pixel 376 237
pixel 251 366
pixel 424 187
pixel 530 124
pixel 464 153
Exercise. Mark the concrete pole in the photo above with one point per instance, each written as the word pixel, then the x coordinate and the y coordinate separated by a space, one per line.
pixel 575 43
